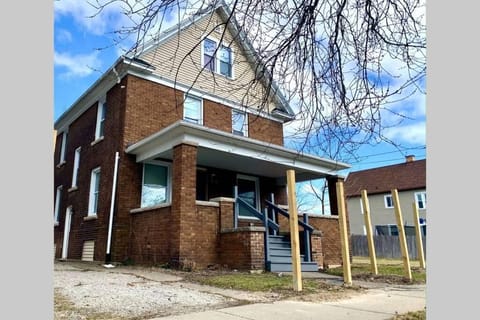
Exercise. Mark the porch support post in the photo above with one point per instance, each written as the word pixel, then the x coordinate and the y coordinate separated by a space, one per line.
pixel 332 193
pixel 294 238
pixel 184 175
pixel 344 236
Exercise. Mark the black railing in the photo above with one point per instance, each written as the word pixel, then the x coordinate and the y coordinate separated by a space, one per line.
pixel 307 229
pixel 270 221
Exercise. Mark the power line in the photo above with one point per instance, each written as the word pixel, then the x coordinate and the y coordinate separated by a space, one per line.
pixel 400 150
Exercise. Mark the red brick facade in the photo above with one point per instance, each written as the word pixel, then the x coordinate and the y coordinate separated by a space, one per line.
pixel 183 233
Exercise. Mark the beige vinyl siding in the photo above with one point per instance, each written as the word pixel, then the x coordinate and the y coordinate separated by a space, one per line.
pixel 88 250
pixel 379 214
pixel 182 53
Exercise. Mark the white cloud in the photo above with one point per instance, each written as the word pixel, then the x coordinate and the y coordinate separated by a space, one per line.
pixel 80 65
pixel 89 18
pixel 63 35
pixel 413 134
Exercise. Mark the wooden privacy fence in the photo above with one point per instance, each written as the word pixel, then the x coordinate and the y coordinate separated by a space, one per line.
pixel 385 246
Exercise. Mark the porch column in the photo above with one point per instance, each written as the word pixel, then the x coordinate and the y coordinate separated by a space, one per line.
pixel 184 175
pixel 332 193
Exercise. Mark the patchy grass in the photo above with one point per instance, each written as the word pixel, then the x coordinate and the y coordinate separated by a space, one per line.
pixel 415 315
pixel 278 283
pixel 256 282
pixel 389 270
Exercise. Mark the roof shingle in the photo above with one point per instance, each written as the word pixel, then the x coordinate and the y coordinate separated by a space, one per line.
pixel 403 176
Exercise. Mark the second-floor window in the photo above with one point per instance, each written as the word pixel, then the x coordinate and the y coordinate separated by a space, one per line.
pixel 388 201
pixel 239 123
pixel 192 110
pixel 76 164
pixel 217 57
pixel 94 192
pixel 63 148
pixel 421 199
pixel 101 111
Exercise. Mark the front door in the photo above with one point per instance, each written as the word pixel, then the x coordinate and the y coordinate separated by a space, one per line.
pixel 66 232
pixel 249 191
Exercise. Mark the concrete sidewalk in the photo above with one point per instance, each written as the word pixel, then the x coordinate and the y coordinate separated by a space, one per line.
pixel 379 303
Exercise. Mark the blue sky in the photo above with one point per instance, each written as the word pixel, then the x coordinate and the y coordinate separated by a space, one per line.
pixel 79 62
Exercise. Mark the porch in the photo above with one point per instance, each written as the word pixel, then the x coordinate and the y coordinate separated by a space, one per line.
pixel 217 189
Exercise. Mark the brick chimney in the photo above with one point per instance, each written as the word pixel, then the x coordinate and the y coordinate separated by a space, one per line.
pixel 410 158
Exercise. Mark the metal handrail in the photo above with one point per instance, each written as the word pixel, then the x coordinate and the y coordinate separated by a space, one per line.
pixel 257 213
pixel 285 214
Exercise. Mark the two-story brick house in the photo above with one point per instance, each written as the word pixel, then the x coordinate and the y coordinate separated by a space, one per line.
pixel 151 158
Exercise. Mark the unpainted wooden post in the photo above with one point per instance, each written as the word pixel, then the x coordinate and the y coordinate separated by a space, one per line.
pixel 401 235
pixel 418 234
pixel 294 238
pixel 342 221
pixel 368 227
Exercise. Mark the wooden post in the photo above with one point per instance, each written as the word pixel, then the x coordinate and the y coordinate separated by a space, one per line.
pixel 418 234
pixel 401 235
pixel 294 238
pixel 368 226
pixel 342 221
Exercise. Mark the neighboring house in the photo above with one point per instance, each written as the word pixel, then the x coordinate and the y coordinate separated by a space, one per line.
pixel 150 164
pixel 409 178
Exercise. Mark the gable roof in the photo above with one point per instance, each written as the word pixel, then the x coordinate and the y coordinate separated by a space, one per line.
pixel 285 111
pixel 404 176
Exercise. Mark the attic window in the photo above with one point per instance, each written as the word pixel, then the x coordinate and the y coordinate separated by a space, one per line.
pixel 217 57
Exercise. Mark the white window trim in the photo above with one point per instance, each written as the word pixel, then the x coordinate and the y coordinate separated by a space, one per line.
pixel 257 193
pixel 56 213
pixel 385 200
pixel 361 206
pixel 100 107
pixel 185 96
pixel 217 58
pixel 91 197
pixel 76 164
pixel 245 124
pixel 63 148
pixel 168 197
pixel 423 193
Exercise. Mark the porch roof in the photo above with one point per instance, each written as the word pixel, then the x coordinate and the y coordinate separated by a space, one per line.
pixel 227 151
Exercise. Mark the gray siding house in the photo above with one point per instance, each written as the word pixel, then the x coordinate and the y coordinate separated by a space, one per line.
pixel 409 178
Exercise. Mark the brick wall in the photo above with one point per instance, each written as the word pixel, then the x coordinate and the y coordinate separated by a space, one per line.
pixel 149 237
pixel 242 249
pixel 331 246
pixel 217 116
pixel 150 107
pixel 81 133
pixel 265 130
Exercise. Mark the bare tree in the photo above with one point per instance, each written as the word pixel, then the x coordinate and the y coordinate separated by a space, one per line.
pixel 340 64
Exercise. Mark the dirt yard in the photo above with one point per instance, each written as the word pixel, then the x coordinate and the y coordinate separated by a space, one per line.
pixel 91 291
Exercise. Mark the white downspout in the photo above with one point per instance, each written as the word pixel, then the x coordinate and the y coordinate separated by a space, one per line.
pixel 110 221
